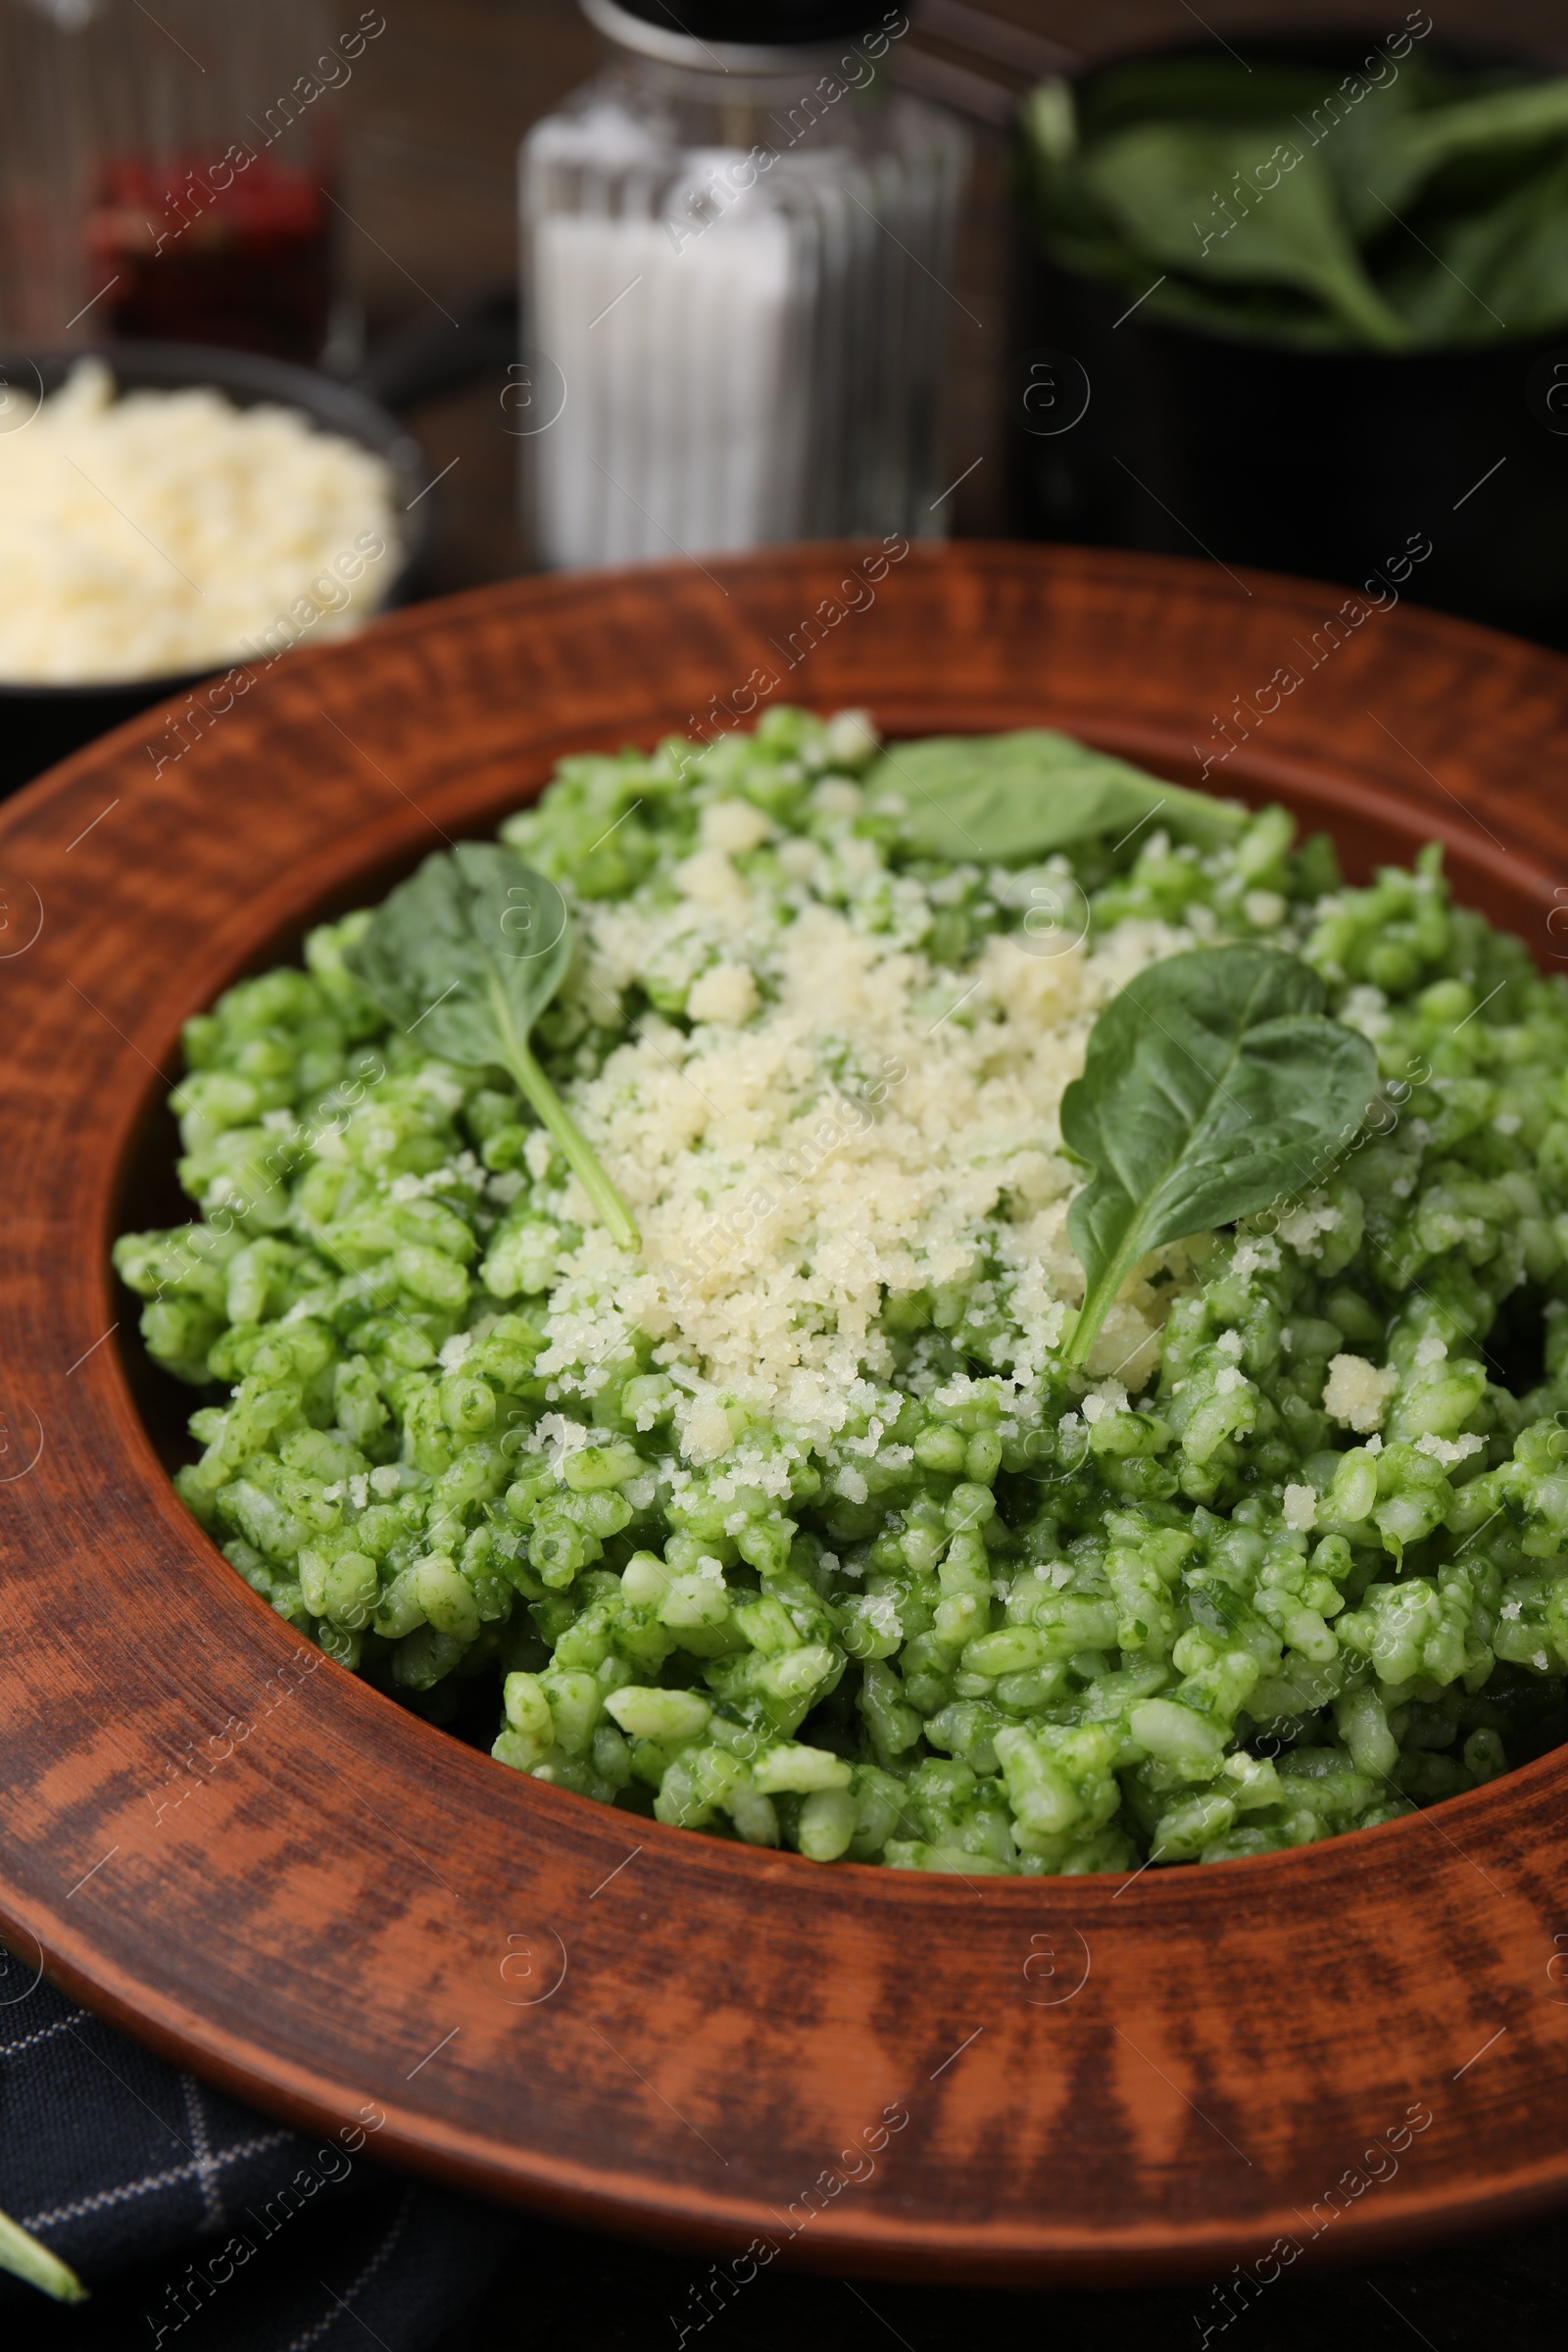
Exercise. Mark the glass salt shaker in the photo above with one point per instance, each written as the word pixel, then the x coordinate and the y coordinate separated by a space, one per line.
pixel 736 244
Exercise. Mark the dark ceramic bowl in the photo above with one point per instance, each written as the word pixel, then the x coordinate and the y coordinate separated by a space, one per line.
pixel 40 724
pixel 1326 463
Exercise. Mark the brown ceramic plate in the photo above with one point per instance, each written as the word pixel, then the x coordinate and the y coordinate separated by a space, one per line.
pixel 258 1864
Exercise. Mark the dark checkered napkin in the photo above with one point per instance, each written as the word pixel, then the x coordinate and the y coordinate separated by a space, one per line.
pixel 203 2227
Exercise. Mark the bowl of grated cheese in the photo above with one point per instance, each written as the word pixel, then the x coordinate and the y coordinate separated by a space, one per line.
pixel 169 511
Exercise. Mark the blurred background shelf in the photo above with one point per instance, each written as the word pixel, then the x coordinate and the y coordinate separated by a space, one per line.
pixel 425 133
pixel 430 125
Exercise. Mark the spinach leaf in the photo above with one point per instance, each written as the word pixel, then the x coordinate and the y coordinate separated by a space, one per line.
pixel 1045 161
pixel 1533 114
pixel 1481 146
pixel 469 952
pixel 22 2255
pixel 1164 89
pixel 1019 795
pixel 1156 175
pixel 1509 263
pixel 1162 181
pixel 1212 1083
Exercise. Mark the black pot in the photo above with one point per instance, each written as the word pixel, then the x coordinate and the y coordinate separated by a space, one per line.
pixel 1328 463
pixel 40 724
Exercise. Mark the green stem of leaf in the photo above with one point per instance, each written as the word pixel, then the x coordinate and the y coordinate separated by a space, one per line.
pixel 1097 1302
pixel 1362 306
pixel 24 2258
pixel 553 1113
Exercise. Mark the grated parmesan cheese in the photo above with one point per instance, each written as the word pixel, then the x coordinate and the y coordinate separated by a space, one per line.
pixel 778 1199
pixel 1299 1507
pixel 1356 1394
pixel 1448 1450
pixel 725 992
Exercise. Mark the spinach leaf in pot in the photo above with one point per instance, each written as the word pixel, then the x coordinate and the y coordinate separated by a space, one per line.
pixel 1212 1083
pixel 1517 249
pixel 1415 204
pixel 1019 795
pixel 469 952
pixel 1160 182
pixel 1531 118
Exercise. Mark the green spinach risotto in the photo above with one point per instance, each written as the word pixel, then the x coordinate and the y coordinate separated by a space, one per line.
pixel 956 1305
